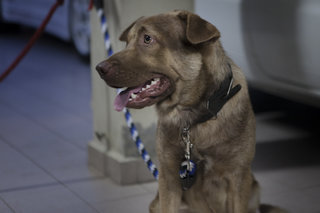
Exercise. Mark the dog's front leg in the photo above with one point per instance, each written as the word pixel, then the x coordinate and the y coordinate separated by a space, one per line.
pixel 227 194
pixel 239 192
pixel 169 155
pixel 170 191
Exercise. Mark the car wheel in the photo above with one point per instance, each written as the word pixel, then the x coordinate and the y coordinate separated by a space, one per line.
pixel 80 26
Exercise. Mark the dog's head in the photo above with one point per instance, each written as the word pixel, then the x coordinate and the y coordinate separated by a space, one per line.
pixel 162 62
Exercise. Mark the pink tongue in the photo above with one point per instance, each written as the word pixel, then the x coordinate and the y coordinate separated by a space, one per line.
pixel 123 98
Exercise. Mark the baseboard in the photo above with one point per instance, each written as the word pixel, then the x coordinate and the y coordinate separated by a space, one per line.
pixel 123 170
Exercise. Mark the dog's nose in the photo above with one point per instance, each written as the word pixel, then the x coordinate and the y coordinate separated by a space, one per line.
pixel 105 68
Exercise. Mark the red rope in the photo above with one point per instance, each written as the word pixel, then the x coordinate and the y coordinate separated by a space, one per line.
pixel 33 39
pixel 90 5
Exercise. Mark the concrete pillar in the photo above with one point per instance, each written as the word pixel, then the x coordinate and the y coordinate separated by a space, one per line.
pixel 112 151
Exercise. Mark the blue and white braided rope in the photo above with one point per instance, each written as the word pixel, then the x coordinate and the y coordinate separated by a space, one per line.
pixel 135 137
pixel 104 30
pixel 134 133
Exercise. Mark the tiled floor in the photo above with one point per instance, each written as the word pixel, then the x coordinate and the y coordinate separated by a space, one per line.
pixel 45 125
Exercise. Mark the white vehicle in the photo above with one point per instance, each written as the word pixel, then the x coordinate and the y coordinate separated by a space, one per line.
pixel 70 21
pixel 275 42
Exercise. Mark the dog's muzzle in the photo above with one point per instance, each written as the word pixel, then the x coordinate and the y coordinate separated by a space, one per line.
pixel 106 68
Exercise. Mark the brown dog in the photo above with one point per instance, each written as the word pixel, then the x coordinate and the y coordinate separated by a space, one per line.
pixel 206 126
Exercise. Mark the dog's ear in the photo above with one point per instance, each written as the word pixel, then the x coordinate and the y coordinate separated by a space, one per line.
pixel 124 34
pixel 198 30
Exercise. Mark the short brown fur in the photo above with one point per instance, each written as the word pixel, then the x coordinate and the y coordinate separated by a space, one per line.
pixel 187 50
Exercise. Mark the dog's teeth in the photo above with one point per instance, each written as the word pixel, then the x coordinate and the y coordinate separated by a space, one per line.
pixel 148 86
pixel 154 81
pixel 143 89
pixel 130 99
pixel 133 96
pixel 122 89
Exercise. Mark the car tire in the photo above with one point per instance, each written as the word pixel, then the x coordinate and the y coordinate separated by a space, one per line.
pixel 79 25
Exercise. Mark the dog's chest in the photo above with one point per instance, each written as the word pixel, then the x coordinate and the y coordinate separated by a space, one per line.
pixel 208 163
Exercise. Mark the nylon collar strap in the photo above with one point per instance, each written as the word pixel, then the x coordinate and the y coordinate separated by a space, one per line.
pixel 219 98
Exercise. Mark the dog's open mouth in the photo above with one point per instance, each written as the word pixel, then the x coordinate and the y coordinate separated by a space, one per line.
pixel 143 95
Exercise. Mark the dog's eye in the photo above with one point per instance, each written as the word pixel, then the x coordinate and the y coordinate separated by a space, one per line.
pixel 147 39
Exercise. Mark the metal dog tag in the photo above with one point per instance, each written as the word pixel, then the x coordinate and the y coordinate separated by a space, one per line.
pixel 187 174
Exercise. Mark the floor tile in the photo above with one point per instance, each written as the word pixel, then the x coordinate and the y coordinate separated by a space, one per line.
pixel 102 190
pixel 62 159
pixel 297 178
pixel 134 204
pixel 52 199
pixel 294 201
pixel 68 167
pixel 18 172
pixel 151 187
pixel 55 119
pixel 269 186
pixel 313 191
pixel 4 208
